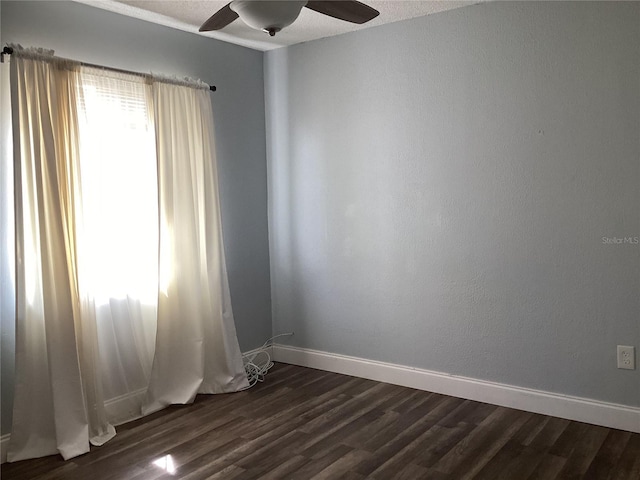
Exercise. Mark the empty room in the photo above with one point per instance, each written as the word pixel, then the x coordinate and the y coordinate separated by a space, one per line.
pixel 321 239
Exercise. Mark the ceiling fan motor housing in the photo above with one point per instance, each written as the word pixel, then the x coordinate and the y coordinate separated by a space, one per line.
pixel 268 16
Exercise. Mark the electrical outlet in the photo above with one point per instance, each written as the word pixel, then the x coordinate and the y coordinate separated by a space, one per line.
pixel 626 357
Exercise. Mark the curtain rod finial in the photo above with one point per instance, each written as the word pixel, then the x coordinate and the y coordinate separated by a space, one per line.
pixel 5 51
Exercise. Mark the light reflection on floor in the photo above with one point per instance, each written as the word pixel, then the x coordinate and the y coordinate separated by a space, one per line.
pixel 165 463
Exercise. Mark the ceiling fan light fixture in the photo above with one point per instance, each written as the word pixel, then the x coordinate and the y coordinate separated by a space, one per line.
pixel 268 16
pixel 272 16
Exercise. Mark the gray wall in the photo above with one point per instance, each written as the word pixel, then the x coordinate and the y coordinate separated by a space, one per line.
pixel 440 188
pixel 7 295
pixel 89 34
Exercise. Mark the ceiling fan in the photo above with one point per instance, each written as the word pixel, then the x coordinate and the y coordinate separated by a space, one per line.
pixel 272 16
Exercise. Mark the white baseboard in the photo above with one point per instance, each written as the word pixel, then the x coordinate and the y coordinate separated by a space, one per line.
pixel 4 444
pixel 557 405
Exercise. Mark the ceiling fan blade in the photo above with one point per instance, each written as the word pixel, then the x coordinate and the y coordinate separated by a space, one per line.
pixel 220 19
pixel 348 10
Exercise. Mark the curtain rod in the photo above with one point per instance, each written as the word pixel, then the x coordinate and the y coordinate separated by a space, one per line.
pixel 9 51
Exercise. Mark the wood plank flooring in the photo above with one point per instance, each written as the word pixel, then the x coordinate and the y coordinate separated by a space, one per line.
pixel 309 424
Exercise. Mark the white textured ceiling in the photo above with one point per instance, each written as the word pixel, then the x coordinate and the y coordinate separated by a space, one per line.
pixel 190 14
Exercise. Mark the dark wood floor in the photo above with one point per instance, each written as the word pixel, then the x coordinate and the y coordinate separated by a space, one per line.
pixel 303 423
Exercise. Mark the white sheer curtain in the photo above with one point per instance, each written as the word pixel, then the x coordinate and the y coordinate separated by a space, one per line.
pixel 123 304
pixel 197 349
pixel 57 404
pixel 119 248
